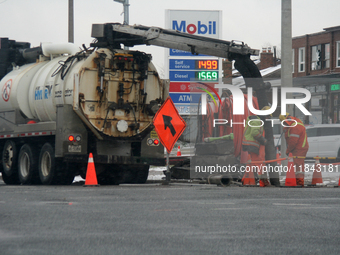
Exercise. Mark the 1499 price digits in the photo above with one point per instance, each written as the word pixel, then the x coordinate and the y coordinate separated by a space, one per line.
pixel 207 76
pixel 207 64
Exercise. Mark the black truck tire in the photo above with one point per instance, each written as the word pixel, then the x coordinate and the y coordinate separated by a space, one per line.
pixel 28 165
pixel 53 171
pixel 10 163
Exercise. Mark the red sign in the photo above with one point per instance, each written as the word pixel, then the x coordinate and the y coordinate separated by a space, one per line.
pixel 168 124
pixel 187 87
pixel 6 90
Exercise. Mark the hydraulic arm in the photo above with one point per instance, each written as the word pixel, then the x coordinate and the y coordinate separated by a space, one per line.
pixel 114 34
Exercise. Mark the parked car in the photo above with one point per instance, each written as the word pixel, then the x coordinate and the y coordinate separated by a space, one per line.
pixel 324 140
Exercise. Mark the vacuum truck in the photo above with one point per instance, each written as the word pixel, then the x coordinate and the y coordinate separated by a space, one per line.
pixel 59 103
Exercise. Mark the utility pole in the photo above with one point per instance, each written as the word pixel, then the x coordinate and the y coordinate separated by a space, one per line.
pixel 126 13
pixel 286 58
pixel 126 10
pixel 70 21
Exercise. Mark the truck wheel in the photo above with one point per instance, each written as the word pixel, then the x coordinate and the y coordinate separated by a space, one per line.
pixel 10 163
pixel 107 175
pixel 142 174
pixel 68 179
pixel 135 174
pixel 28 165
pixel 65 172
pixel 47 165
pixel 51 170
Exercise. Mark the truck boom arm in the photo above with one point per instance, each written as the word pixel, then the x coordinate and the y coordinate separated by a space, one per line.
pixel 114 34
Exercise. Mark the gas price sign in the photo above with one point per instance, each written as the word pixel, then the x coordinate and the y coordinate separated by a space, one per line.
pixel 206 75
pixel 207 64
pixel 193 64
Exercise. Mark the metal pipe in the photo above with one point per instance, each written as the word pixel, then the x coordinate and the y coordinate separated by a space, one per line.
pixel 223 180
pixel 126 12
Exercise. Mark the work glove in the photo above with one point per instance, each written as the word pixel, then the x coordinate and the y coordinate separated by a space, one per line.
pixel 262 140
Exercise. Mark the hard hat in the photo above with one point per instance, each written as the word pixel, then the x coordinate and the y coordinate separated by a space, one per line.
pixel 267 108
pixel 283 117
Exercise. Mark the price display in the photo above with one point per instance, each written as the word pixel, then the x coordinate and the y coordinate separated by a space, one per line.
pixel 206 76
pixel 206 64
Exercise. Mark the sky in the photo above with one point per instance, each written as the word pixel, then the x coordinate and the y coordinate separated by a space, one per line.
pixel 255 22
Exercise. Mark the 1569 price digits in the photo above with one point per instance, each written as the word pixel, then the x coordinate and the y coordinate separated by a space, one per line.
pixel 206 76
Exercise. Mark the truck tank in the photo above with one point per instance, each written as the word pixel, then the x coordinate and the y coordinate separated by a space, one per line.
pixel 118 91
pixel 62 103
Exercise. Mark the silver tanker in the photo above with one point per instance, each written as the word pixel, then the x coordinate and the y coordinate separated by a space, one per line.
pixel 64 102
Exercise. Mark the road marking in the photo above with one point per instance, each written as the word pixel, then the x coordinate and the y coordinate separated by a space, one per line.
pixel 292 204
pixel 166 210
pixel 232 208
pixel 212 203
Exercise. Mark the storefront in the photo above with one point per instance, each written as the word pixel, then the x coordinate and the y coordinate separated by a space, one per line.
pixel 325 98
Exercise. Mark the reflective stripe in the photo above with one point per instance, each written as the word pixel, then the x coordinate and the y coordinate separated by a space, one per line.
pixel 251 143
pixel 304 140
pixel 258 135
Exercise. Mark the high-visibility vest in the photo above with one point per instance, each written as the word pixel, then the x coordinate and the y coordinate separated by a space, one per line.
pixel 298 136
pixel 250 142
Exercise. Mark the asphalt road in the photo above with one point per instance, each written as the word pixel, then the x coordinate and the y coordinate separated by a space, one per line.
pixel 175 219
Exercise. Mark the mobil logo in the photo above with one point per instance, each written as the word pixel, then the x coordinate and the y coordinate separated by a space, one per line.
pixel 193 28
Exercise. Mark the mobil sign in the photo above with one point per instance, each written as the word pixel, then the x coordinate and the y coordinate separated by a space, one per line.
pixel 203 23
pixel 199 28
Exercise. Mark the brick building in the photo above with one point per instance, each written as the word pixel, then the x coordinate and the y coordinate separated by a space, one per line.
pixel 316 67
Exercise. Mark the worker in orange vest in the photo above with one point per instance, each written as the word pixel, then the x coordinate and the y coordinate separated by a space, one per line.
pixel 254 142
pixel 297 144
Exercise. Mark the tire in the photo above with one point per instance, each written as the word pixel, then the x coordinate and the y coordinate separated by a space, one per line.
pixel 51 170
pixel 28 165
pixel 107 174
pixel 10 163
pixel 142 174
pixel 136 174
pixel 47 165
pixel 118 174
pixel 64 173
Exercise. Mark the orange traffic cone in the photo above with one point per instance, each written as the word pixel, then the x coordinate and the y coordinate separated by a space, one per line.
pixel 278 155
pixel 91 176
pixel 317 176
pixel 248 178
pixel 290 175
pixel 179 151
